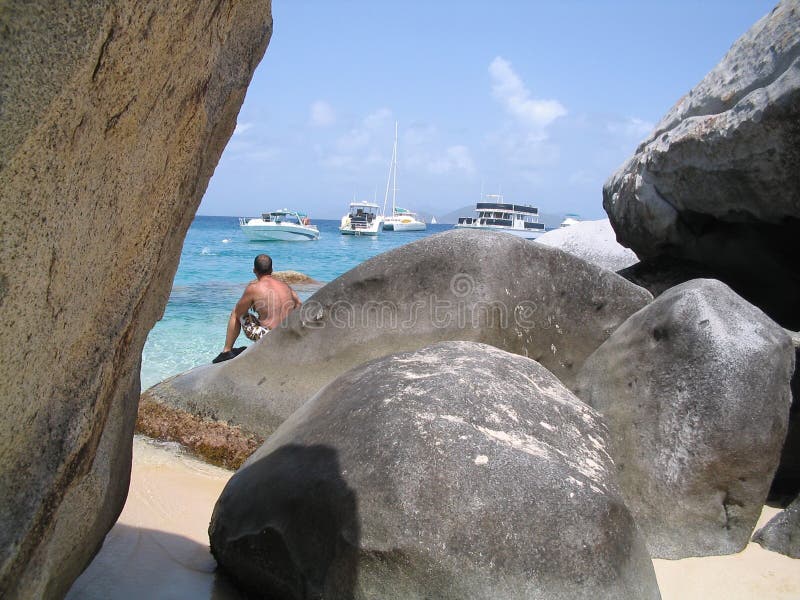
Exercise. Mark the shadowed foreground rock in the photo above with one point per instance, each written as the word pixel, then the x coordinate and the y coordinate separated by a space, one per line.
pixel 717 183
pixel 782 533
pixel 112 118
pixel 457 471
pixel 478 286
pixel 695 390
pixel 786 484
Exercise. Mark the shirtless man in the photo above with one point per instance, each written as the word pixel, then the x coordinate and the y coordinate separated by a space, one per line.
pixel 271 299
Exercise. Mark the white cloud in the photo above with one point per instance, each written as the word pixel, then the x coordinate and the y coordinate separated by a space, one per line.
pixel 511 92
pixel 368 143
pixel 422 149
pixel 242 149
pixel 630 127
pixel 241 128
pixel 454 158
pixel 524 140
pixel 322 114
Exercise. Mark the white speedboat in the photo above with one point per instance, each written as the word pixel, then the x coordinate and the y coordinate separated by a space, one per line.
pixel 570 219
pixel 400 219
pixel 496 215
pixel 363 219
pixel 279 225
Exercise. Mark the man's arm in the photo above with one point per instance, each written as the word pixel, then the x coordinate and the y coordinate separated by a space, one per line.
pixel 295 298
pixel 234 326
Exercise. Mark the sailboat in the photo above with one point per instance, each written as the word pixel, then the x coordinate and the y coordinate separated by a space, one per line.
pixel 433 220
pixel 400 219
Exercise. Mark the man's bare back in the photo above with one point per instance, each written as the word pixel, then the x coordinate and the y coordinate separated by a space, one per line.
pixel 273 300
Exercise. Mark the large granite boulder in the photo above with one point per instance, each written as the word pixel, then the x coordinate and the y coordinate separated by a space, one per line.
pixel 456 471
pixel 113 115
pixel 460 285
pixel 786 484
pixel 782 532
pixel 593 241
pixel 695 390
pixel 717 182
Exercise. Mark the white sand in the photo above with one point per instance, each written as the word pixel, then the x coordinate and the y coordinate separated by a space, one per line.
pixel 753 573
pixel 159 546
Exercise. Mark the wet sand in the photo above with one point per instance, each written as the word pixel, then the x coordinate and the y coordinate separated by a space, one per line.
pixel 159 546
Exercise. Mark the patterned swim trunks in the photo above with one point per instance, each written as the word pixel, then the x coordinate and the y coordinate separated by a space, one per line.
pixel 252 328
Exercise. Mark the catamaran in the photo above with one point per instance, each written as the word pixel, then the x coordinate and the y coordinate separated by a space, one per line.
pixel 279 225
pixel 496 215
pixel 400 219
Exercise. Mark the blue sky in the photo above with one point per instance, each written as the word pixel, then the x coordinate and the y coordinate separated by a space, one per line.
pixel 539 100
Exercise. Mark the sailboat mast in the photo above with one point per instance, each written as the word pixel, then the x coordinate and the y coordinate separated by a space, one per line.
pixel 389 177
pixel 394 154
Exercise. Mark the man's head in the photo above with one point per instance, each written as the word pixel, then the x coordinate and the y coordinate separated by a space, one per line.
pixel 262 265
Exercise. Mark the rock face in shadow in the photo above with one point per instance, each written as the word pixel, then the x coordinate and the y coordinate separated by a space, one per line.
pixel 114 115
pixel 782 533
pixel 695 391
pixel 786 484
pixel 456 471
pixel 717 183
pixel 460 285
pixel 593 241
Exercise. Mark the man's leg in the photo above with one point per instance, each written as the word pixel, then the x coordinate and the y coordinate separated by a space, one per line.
pixel 234 327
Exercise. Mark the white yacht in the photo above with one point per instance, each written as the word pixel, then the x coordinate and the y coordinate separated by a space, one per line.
pixel 400 219
pixel 570 219
pixel 279 225
pixel 496 215
pixel 363 219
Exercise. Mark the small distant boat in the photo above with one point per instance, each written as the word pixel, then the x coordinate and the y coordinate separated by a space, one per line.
pixel 363 219
pixel 401 219
pixel 496 215
pixel 433 220
pixel 279 225
pixel 570 219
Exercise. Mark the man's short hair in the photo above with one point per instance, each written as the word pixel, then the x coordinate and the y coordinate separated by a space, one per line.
pixel 263 265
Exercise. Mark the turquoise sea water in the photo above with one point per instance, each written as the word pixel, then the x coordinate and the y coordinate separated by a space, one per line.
pixel 217 262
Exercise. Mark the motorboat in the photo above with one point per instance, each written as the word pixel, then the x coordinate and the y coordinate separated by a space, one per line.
pixel 570 219
pixel 279 225
pixel 362 219
pixel 400 219
pixel 496 215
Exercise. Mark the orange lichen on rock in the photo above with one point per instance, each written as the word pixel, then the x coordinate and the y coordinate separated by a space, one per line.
pixel 215 442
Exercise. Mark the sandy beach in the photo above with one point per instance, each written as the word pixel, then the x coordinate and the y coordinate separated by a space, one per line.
pixel 159 546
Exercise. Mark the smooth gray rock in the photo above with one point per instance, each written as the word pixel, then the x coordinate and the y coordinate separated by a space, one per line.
pixel 113 115
pixel 782 532
pixel 460 285
pixel 456 471
pixel 695 390
pixel 786 484
pixel 718 180
pixel 593 241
